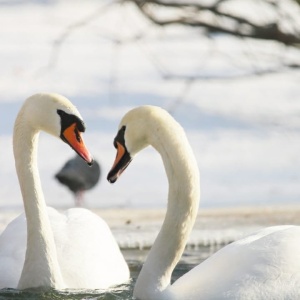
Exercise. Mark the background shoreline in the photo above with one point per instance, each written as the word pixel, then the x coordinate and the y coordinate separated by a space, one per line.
pixel 137 228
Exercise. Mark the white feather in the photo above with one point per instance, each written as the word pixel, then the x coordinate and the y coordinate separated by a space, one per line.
pixel 46 248
pixel 262 266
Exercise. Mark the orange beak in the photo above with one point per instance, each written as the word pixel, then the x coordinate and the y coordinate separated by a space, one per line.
pixel 73 137
pixel 121 162
pixel 120 153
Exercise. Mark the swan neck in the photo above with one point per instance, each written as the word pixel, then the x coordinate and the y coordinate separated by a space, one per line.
pixel 183 201
pixel 41 258
pixel 25 152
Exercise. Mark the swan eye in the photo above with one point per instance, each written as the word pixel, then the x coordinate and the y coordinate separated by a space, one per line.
pixel 78 137
pixel 68 119
pixel 120 137
pixel 115 144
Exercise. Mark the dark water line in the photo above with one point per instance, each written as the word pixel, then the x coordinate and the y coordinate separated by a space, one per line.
pixel 135 260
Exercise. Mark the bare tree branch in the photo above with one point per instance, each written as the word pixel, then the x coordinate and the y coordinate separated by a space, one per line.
pixel 60 40
pixel 190 14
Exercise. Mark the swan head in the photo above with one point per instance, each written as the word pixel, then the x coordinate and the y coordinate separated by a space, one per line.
pixel 134 135
pixel 57 116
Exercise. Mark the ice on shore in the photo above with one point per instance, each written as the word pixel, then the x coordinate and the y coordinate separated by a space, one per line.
pixel 137 228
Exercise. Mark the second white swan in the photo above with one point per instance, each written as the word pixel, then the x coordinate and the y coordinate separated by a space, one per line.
pixel 264 265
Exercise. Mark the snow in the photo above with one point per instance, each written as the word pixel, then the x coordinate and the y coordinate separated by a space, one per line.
pixel 245 132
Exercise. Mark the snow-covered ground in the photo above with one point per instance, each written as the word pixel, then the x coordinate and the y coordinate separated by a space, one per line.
pixel 245 132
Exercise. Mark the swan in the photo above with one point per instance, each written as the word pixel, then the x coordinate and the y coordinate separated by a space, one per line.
pixel 45 248
pixel 263 265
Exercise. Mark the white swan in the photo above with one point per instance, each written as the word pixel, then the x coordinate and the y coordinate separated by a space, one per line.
pixel 264 265
pixel 71 250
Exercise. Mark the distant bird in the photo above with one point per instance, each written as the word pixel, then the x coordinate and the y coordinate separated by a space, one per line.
pixel 79 177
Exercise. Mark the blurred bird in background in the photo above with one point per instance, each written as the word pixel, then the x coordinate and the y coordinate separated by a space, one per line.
pixel 79 177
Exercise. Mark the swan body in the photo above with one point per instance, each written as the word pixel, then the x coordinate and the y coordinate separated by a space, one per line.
pixel 86 250
pixel 42 247
pixel 264 265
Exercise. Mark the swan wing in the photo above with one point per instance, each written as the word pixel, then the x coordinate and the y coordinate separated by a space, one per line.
pixel 264 265
pixel 12 252
pixel 88 253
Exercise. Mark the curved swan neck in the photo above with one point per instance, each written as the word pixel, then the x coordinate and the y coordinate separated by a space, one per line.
pixel 183 200
pixel 41 258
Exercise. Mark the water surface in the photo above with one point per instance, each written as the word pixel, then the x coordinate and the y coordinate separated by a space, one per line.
pixel 134 258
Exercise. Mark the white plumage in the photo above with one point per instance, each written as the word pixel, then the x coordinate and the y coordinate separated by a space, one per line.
pixel 262 266
pixel 87 252
pixel 49 249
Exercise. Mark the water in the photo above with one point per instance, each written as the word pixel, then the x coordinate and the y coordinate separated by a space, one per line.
pixel 134 258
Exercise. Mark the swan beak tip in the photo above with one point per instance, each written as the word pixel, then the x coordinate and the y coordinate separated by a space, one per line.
pixel 84 153
pixel 111 179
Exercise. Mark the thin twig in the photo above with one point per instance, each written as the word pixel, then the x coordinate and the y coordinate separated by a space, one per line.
pixel 269 31
pixel 58 42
